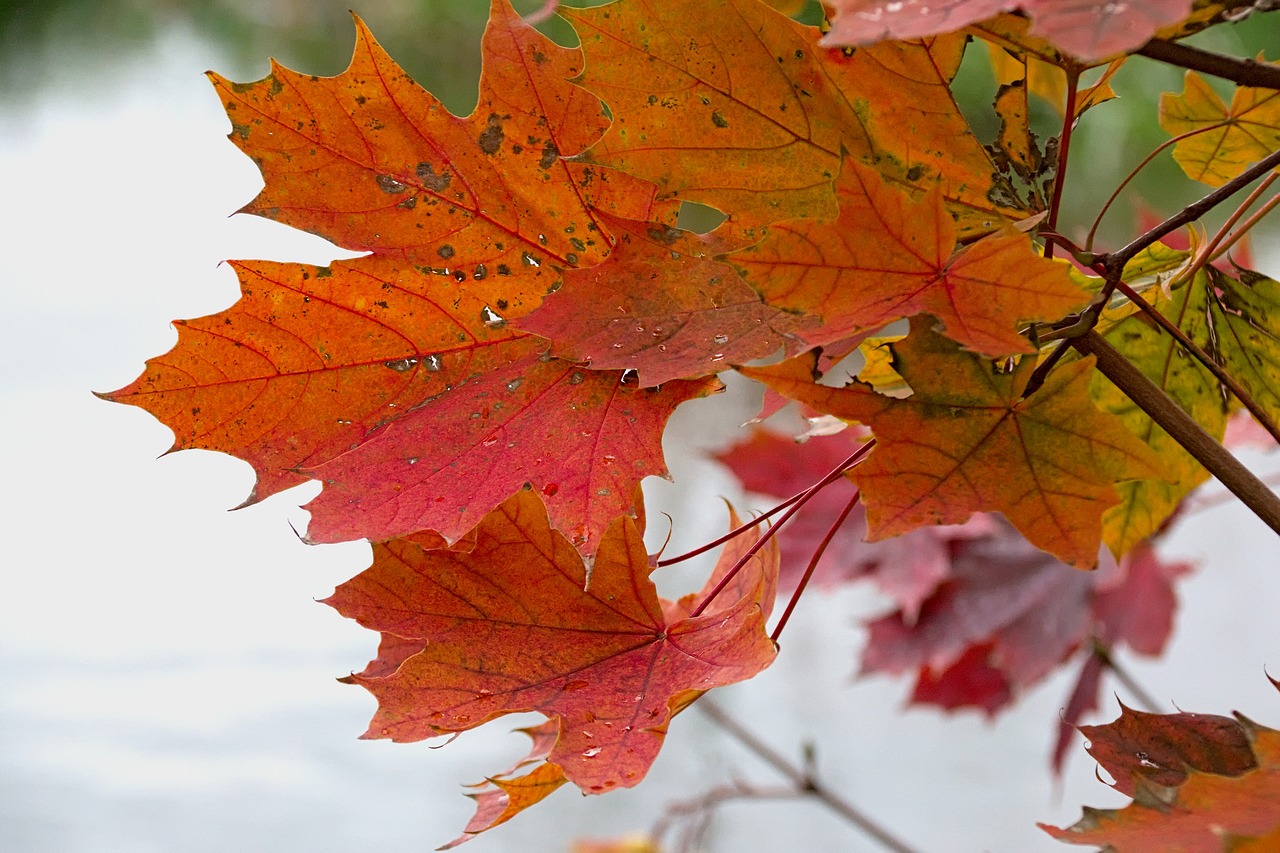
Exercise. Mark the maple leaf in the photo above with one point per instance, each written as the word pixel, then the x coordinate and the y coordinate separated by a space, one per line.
pixel 887 257
pixel 1163 748
pixel 504 795
pixel 662 306
pixel 1006 614
pixel 334 372
pixel 752 116
pixel 1224 141
pixel 514 621
pixel 966 441
pixel 1146 504
pixel 1201 784
pixel 582 437
pixel 1089 30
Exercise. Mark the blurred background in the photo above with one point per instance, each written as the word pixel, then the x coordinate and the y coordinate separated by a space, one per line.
pixel 168 679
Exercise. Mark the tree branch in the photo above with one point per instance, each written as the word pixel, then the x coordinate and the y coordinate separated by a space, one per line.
pixel 1182 429
pixel 1242 72
pixel 1116 260
pixel 803 780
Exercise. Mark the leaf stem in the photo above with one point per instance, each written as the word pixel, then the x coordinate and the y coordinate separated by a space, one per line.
pixel 1133 173
pixel 1064 148
pixel 1182 429
pixel 1103 653
pixel 804 498
pixel 813 564
pixel 740 529
pixel 1242 72
pixel 804 779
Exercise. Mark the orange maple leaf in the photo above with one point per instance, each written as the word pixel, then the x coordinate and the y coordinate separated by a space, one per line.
pixel 1220 790
pixel 887 257
pixel 469 222
pixel 751 115
pixel 512 620
pixel 966 440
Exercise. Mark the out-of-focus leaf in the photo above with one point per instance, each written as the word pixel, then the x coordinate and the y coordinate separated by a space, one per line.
pixel 1226 141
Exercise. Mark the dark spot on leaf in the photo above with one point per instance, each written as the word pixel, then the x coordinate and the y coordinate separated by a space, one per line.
pixel 491 138
pixel 503 269
pixel 323 272
pixel 718 120
pixel 388 184
pixel 360 99
pixel 409 203
pixel 502 304
pixel 432 181
pixel 915 173
pixel 549 156
pixel 446 251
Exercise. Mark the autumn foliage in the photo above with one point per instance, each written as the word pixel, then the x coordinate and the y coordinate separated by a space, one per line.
pixel 483 391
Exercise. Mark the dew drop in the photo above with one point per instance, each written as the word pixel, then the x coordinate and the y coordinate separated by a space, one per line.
pixel 721 340
pixel 514 383
pixel 530 260
pixel 401 365
pixel 592 752
pixel 491 319
pixel 577 378
pixel 432 363
pixel 718 357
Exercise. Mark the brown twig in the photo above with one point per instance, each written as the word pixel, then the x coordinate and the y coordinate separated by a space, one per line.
pixel 802 778
pixel 1103 653
pixel 1116 260
pixel 698 811
pixel 1181 428
pixel 1242 72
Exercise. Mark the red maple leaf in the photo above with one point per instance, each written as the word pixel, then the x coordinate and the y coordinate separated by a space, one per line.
pixel 512 620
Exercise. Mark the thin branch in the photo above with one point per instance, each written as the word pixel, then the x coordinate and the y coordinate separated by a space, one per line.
pixel 813 564
pixel 804 780
pixel 1242 72
pixel 701 808
pixel 1103 653
pixel 1115 261
pixel 1182 429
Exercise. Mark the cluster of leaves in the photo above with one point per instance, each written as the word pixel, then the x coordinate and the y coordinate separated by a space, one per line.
pixel 483 391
